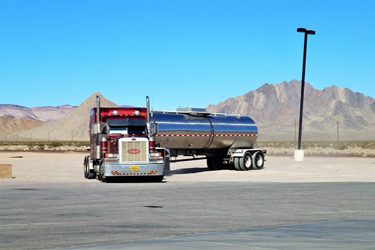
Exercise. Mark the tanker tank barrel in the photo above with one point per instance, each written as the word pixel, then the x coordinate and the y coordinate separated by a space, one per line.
pixel 189 129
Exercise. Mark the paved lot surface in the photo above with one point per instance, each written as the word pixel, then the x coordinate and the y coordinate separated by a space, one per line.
pixel 322 235
pixel 320 203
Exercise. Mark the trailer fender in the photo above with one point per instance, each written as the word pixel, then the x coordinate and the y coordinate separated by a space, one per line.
pixel 239 153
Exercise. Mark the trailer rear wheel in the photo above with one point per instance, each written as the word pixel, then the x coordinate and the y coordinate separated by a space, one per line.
pixel 243 163
pixel 258 160
pixel 246 162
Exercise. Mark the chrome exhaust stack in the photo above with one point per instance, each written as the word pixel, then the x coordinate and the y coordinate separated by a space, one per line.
pixel 148 112
pixel 151 135
pixel 98 155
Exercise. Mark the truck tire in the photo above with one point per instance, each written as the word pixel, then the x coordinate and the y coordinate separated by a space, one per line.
pixel 101 175
pixel 167 166
pixel 243 163
pixel 246 162
pixel 85 167
pixel 158 178
pixel 258 160
pixel 89 174
pixel 237 164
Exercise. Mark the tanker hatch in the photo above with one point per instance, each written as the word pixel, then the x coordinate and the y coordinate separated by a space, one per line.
pixel 187 109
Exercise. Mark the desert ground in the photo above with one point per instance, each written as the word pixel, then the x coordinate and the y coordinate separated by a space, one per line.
pixel 67 167
pixel 322 202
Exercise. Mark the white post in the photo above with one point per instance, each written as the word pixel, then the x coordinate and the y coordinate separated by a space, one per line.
pixel 299 154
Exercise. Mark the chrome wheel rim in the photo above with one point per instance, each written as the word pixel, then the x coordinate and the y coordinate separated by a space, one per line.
pixel 259 161
pixel 247 161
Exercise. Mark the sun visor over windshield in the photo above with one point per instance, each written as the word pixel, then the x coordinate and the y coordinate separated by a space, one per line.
pixel 125 122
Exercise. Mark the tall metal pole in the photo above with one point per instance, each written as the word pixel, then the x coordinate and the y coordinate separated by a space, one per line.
pixel 302 93
pixel 306 32
pixel 295 130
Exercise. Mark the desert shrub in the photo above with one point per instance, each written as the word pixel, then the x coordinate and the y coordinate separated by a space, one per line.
pixel 56 144
pixel 341 146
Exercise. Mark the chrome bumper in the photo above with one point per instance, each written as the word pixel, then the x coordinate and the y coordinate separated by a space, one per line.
pixel 148 169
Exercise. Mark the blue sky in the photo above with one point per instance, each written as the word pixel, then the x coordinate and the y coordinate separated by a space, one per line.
pixel 180 53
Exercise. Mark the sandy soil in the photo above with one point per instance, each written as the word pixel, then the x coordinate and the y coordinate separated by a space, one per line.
pixel 67 167
pixel 284 151
pixel 320 151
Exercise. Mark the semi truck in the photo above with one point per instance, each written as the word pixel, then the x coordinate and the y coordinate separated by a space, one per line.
pixel 137 142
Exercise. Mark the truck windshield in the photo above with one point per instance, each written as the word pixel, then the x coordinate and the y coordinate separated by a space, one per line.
pixel 136 130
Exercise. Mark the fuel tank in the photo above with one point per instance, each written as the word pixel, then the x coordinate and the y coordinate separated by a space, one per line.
pixel 179 130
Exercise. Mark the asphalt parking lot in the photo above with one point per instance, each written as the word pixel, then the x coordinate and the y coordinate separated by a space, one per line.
pixel 320 203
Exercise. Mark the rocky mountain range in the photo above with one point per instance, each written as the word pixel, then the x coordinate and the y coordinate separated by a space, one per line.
pixel 10 125
pixel 275 108
pixel 73 126
pixel 15 118
pixel 37 113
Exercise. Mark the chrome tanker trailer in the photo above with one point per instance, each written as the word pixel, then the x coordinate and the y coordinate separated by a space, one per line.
pixel 222 139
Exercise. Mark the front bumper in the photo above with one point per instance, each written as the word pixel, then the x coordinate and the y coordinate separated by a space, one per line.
pixel 148 169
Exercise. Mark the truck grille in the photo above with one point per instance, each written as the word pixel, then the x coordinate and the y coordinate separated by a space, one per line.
pixel 133 151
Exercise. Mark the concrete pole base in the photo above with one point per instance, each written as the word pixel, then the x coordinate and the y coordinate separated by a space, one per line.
pixel 299 155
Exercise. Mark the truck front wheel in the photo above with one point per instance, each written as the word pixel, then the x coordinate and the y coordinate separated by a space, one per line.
pixel 158 178
pixel 89 174
pixel 101 174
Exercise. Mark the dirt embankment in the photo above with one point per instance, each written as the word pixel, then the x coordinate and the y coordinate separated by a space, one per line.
pixel 40 146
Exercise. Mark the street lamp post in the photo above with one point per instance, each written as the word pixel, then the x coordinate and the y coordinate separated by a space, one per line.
pixel 299 154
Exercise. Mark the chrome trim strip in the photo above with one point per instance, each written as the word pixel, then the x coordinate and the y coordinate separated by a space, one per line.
pixel 207 124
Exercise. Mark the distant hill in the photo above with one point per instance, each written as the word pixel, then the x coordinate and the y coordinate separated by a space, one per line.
pixel 37 113
pixel 9 125
pixel 275 108
pixel 72 126
pixel 15 118
pixel 52 113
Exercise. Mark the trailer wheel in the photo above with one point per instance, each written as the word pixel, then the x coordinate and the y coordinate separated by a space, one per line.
pixel 258 160
pixel 246 162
